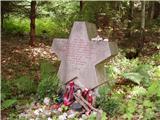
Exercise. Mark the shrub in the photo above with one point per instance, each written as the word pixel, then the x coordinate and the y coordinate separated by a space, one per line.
pixel 16 25
pixel 45 27
pixel 108 104
pixel 25 85
pixel 48 86
pixel 5 90
pixel 6 94
pixel 49 83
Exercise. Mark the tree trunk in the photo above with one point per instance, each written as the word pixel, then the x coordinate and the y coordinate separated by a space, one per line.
pixel 2 21
pixel 130 18
pixel 142 27
pixel 152 10
pixel 143 16
pixel 32 23
pixel 81 5
pixel 156 10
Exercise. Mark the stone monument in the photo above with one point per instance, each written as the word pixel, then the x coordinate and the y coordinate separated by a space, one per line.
pixel 81 57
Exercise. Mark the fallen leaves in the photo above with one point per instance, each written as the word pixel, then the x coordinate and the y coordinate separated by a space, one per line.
pixel 18 58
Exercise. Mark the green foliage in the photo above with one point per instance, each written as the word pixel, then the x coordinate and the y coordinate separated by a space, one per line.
pixel 8 103
pixel 25 85
pixel 108 105
pixel 156 72
pixel 154 88
pixel 45 27
pixel 92 117
pixel 135 77
pixel 141 100
pixel 54 19
pixel 14 116
pixel 104 90
pixel 104 116
pixel 120 65
pixel 48 86
pixel 5 90
pixel 130 109
pixel 143 69
pixel 138 91
pixel 15 25
pixel 133 70
pixel 49 83
pixel 46 69
pixel 149 109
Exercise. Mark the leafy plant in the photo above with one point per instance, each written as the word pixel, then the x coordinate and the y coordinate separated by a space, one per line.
pixel 130 109
pixel 104 116
pixel 25 85
pixel 104 90
pixel 134 77
pixel 8 103
pixel 138 91
pixel 48 86
pixel 143 69
pixel 49 83
pixel 108 105
pixel 6 94
pixel 46 69
pixel 5 90
pixel 154 88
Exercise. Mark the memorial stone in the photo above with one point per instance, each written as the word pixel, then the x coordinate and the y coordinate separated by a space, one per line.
pixel 81 57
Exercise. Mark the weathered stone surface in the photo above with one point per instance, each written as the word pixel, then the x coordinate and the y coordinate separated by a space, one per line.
pixel 82 57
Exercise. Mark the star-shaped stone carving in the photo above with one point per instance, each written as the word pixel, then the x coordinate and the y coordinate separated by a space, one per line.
pixel 82 57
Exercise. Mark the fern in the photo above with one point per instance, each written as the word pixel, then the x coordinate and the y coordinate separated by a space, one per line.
pixel 134 77
pixel 143 69
pixel 138 91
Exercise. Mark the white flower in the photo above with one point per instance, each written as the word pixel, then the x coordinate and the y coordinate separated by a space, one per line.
pixel 65 114
pixel 62 117
pixel 36 112
pixel 46 101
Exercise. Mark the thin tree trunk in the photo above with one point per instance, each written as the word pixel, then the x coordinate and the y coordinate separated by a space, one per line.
pixel 142 26
pixel 152 10
pixel 2 21
pixel 130 18
pixel 81 5
pixel 143 15
pixel 32 23
pixel 156 9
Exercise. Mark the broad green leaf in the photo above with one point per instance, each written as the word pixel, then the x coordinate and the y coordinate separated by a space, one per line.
pixel 134 77
pixel 8 103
